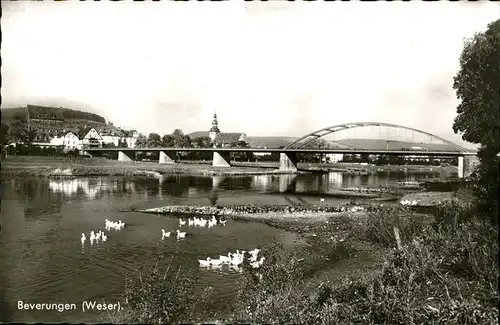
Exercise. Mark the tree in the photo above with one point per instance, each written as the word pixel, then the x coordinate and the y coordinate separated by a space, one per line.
pixel 154 140
pixel 141 141
pixel 202 142
pixel 167 141
pixel 180 139
pixel 109 145
pixel 241 155
pixel 4 134
pixel 477 85
pixel 122 143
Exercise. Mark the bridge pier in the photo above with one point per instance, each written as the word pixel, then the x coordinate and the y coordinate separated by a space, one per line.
pixel 221 159
pixel 288 161
pixel 167 157
pixel 122 156
pixel 467 165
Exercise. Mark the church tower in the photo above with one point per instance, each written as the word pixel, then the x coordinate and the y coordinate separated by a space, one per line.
pixel 215 129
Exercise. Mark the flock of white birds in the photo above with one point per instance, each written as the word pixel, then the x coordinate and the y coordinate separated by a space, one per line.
pixel 195 222
pixel 408 202
pixel 231 259
pixel 235 259
pixel 100 235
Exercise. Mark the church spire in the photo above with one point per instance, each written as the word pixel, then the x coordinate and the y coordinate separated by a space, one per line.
pixel 214 131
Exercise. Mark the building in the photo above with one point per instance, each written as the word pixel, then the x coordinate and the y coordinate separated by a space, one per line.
pixel 219 138
pixel 89 137
pixel 113 137
pixel 68 139
pixel 130 138
pixel 118 137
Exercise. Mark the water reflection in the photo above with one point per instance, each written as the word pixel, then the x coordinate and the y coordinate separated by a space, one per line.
pixel 287 183
pixel 191 186
pixel 89 187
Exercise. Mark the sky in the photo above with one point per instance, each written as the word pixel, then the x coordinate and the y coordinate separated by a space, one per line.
pixel 266 68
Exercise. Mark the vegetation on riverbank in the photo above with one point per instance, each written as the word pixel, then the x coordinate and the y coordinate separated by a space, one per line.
pixel 444 272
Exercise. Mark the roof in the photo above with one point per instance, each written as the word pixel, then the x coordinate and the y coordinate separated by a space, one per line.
pixel 83 132
pixel 63 133
pixel 228 137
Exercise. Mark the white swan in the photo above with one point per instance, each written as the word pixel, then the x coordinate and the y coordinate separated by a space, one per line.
pixel 182 222
pixel 254 251
pixel 181 234
pixel 205 262
pixel 214 221
pixel 322 200
pixel 254 255
pixel 121 224
pixel 255 265
pixel 104 237
pixel 190 222
pixel 236 261
pixel 223 222
pixel 92 236
pixel 258 263
pixel 83 239
pixel 164 234
pixel 225 259
pixel 210 224
pixel 215 262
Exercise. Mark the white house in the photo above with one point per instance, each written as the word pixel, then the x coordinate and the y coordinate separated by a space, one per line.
pixel 118 136
pixel 68 139
pixel 111 137
pixel 131 140
pixel 89 137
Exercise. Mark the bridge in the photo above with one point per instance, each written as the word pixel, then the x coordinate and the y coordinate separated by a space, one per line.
pixel 467 160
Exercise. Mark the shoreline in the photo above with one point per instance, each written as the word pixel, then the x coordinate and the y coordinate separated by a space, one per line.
pixel 299 219
pixel 16 166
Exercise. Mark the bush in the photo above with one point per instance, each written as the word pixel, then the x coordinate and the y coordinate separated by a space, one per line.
pixel 379 226
pixel 159 297
pixel 445 273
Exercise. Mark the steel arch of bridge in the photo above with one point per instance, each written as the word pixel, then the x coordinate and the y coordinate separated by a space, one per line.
pixel 345 126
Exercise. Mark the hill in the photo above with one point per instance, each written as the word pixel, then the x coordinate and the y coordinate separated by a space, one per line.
pixel 49 113
pixel 47 122
pixel 269 142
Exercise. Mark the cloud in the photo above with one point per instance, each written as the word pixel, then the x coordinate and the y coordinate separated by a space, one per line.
pixel 266 68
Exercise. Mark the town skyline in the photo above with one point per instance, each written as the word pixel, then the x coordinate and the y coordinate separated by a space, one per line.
pixel 245 61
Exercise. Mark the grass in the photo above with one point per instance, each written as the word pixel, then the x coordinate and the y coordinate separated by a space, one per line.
pixel 446 272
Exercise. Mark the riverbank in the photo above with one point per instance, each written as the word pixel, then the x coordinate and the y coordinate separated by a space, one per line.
pixel 354 268
pixel 16 166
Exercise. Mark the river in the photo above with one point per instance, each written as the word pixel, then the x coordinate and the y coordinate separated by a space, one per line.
pixel 43 261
